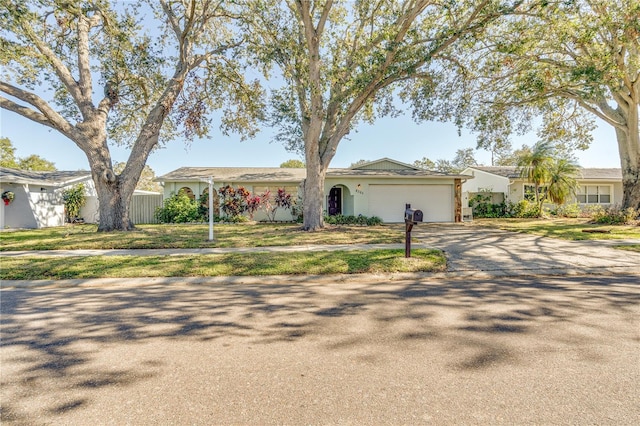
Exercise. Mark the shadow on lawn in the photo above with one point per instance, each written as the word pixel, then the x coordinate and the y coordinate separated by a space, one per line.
pixel 51 337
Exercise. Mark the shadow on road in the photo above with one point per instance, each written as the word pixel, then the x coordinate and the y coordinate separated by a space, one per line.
pixel 53 339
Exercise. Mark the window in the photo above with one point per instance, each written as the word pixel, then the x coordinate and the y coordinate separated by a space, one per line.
pixel 530 192
pixel 594 194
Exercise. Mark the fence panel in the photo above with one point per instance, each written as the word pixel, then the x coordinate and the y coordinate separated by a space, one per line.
pixel 143 208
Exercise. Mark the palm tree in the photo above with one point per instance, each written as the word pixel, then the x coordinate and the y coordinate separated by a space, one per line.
pixel 562 183
pixel 534 166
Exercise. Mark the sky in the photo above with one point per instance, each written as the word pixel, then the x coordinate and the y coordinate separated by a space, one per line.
pixel 398 138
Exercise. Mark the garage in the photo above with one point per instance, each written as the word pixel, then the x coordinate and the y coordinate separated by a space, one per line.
pixel 388 201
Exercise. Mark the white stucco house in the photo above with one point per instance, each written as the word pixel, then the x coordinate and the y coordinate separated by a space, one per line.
pixel 38 199
pixel 38 196
pixel 601 186
pixel 377 188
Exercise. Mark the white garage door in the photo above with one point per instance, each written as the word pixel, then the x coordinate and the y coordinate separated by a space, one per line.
pixel 388 201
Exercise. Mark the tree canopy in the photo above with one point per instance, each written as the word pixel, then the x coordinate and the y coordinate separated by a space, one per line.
pixel 293 163
pixel 131 73
pixel 32 162
pixel 565 62
pixel 343 61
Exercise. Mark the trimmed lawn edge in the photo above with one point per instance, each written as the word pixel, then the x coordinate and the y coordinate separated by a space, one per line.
pixel 230 264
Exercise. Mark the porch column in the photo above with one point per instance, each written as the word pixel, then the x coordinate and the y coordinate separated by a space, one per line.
pixel 457 194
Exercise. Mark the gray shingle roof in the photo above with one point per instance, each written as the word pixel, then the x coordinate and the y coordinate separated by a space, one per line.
pixel 43 178
pixel 588 173
pixel 277 174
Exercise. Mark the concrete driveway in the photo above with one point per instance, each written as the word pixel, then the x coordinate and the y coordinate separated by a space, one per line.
pixel 473 249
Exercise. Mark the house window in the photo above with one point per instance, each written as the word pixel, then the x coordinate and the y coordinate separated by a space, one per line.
pixel 594 194
pixel 530 192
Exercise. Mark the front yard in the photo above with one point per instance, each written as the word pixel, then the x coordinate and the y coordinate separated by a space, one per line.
pixel 76 237
pixel 195 236
pixel 254 235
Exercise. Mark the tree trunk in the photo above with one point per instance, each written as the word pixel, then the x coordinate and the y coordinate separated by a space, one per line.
pixel 629 147
pixel 314 197
pixel 113 196
pixel 113 205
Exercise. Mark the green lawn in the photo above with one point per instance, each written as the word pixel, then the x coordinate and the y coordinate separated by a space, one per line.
pixel 567 229
pixel 260 263
pixel 629 247
pixel 195 236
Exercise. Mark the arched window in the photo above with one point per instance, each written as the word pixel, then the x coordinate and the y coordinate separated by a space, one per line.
pixel 188 191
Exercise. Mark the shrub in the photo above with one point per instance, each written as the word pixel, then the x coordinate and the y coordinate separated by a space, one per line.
pixel 613 215
pixel 281 200
pixel 568 210
pixel 179 208
pixel 233 201
pixel 73 199
pixel 340 219
pixel 523 209
pixel 482 207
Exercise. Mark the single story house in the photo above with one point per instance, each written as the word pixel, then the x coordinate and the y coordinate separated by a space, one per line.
pixel 376 188
pixel 601 186
pixel 37 199
pixel 38 202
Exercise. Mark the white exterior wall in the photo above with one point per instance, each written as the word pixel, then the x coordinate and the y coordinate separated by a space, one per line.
pixel 483 181
pixel 47 209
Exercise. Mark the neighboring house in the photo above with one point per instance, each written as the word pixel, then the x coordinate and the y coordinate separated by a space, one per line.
pixel 377 188
pixel 596 185
pixel 38 199
pixel 38 196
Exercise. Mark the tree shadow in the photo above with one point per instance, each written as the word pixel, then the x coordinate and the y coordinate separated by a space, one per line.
pixel 53 338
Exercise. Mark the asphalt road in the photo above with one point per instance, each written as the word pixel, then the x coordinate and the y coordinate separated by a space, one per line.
pixel 556 350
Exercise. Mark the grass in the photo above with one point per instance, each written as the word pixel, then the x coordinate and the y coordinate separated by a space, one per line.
pixel 194 236
pixel 237 264
pixel 566 229
pixel 629 247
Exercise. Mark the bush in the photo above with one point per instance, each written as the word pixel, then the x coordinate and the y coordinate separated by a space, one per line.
pixel 483 208
pixel 523 209
pixel 179 208
pixel 568 210
pixel 73 199
pixel 613 215
pixel 340 219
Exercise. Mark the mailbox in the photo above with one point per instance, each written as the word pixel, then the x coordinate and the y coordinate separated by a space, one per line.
pixel 413 215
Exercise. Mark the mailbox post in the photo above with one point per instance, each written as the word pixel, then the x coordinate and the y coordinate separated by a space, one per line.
pixel 411 217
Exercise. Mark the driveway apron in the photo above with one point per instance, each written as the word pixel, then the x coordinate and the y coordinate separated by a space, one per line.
pixel 472 248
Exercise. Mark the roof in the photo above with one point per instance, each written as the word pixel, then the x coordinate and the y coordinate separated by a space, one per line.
pixel 278 174
pixel 384 164
pixel 235 174
pixel 587 173
pixel 55 178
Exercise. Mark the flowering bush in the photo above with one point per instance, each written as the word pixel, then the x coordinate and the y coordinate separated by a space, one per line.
pixel 281 200
pixel 234 201
pixel 7 197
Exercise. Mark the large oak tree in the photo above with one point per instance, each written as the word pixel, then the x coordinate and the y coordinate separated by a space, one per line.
pixel 343 61
pixel 567 62
pixel 129 73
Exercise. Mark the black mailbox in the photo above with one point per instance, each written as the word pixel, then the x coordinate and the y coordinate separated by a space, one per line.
pixel 413 215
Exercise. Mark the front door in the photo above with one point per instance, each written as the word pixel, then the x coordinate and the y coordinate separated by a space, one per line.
pixel 334 203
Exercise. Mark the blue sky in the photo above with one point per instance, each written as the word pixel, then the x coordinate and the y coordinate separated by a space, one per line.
pixel 398 138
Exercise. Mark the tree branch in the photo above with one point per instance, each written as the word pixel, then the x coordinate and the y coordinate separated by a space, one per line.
pixel 46 115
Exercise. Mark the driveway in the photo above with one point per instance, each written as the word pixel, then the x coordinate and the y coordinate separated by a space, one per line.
pixel 472 249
